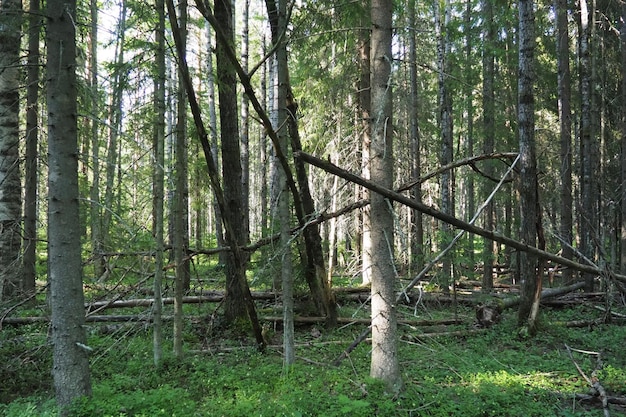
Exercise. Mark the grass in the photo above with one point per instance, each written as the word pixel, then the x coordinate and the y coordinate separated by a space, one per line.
pixel 486 374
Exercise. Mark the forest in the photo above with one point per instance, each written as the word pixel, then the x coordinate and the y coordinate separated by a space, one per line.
pixel 279 207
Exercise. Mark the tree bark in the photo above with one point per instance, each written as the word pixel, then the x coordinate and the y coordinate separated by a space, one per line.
pixel 10 182
pixel 181 215
pixel 231 160
pixel 445 126
pixel 229 235
pixel 565 131
pixel 31 154
pixel 623 140
pixel 588 210
pixel 417 228
pixel 529 276
pixel 158 180
pixel 488 122
pixel 70 367
pixel 384 362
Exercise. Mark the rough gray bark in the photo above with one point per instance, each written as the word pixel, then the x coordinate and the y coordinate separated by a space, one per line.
pixel 158 149
pixel 10 183
pixel 70 368
pixel 384 360
pixel 565 131
pixel 530 279
pixel 31 154
pixel 488 99
pixel 245 123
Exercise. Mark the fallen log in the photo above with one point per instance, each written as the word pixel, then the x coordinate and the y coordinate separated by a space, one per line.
pixel 315 320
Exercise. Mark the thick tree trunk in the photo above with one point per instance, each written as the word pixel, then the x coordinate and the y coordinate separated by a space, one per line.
pixel 530 279
pixel 70 368
pixel 10 187
pixel 384 361
pixel 231 160
pixel 31 154
pixel 230 235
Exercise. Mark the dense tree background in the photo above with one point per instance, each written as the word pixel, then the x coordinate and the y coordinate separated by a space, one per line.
pixel 181 190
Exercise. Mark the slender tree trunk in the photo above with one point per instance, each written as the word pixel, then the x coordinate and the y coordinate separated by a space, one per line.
pixel 31 158
pixel 384 361
pixel 488 64
pixel 112 156
pixel 469 97
pixel 587 212
pixel 530 279
pixel 70 368
pixel 445 125
pixel 245 125
pixel 158 180
pixel 364 100
pixel 219 232
pixel 10 183
pixel 565 132
pixel 277 12
pixel 417 228
pixel 181 198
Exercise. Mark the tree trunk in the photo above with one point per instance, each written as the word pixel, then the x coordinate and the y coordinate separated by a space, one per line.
pixel 70 368
pixel 245 125
pixel 530 279
pixel 119 76
pixel 565 131
pixel 384 361
pixel 181 215
pixel 230 235
pixel 365 106
pixel 587 213
pixel 623 132
pixel 10 186
pixel 158 179
pixel 315 268
pixel 445 125
pixel 31 158
pixel 488 98
pixel 231 161
pixel 417 228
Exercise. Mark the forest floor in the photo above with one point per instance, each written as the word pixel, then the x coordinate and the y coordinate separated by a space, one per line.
pixel 447 370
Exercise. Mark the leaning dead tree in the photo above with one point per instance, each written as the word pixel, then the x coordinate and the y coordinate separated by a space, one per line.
pixel 458 223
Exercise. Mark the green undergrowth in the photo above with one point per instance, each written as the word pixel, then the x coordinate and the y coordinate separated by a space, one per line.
pixel 492 373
